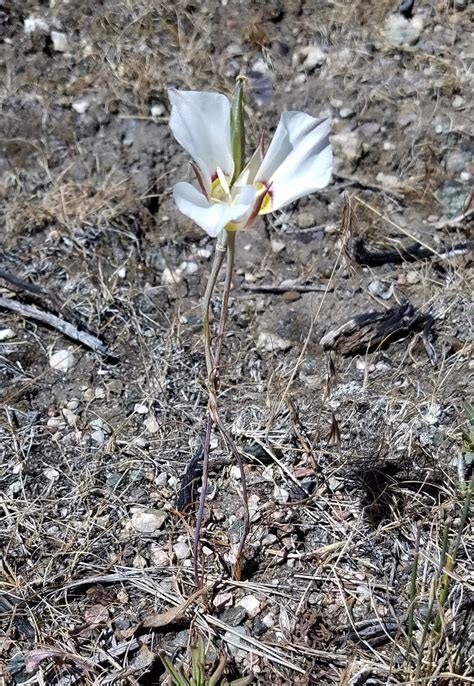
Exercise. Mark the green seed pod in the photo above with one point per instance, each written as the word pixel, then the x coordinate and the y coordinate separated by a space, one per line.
pixel 237 126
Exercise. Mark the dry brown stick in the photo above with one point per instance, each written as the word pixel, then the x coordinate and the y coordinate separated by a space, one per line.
pixel 348 181
pixel 268 288
pixel 64 327
pixel 40 292
pixel 454 221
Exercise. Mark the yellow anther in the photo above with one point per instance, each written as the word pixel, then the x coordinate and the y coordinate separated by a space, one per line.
pixel 266 205
pixel 223 180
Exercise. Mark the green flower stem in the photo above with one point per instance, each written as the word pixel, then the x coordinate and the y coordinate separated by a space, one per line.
pixel 202 499
pixel 213 390
pixel 226 245
pixel 221 249
pixel 225 301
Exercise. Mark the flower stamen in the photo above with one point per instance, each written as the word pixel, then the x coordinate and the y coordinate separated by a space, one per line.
pixel 223 181
pixel 266 203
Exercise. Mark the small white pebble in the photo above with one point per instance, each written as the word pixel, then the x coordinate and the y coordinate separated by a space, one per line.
pixel 161 479
pixel 203 252
pixel 98 436
pixel 70 417
pixel 363 365
pixel 148 521
pixel 235 472
pixel 51 474
pixel 269 620
pixel 223 600
pixel 159 556
pixel 140 409
pixel 6 334
pixel 157 110
pixel 60 42
pixel 171 277
pixel 188 267
pixel 277 246
pixel 139 561
pixel 251 604
pixel 33 24
pixel 54 422
pixel 151 424
pixel 181 550
pixel 62 360
pixel 346 112
pixel 81 106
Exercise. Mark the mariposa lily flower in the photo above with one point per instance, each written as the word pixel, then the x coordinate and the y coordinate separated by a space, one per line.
pixel 297 163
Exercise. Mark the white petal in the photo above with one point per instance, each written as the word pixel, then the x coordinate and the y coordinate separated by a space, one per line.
pixel 300 177
pixel 247 197
pixel 291 127
pixel 308 164
pixel 200 122
pixel 212 217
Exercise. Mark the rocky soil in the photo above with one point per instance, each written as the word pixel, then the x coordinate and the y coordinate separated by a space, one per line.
pixel 359 557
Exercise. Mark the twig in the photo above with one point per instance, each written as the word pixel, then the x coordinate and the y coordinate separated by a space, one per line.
pixel 374 257
pixel 269 288
pixel 454 221
pixel 397 226
pixel 64 327
pixel 44 293
pixel 348 181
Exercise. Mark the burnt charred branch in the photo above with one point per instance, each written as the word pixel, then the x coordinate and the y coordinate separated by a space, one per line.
pixel 369 256
pixel 371 331
pixel 190 482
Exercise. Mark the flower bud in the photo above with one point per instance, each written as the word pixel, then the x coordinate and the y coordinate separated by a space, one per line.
pixel 237 127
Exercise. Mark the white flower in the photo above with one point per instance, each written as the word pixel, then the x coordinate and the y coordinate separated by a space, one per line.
pixel 297 163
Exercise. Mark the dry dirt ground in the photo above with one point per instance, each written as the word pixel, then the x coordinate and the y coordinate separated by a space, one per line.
pixel 362 576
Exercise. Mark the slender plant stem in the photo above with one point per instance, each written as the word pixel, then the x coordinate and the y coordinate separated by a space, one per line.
pixel 215 381
pixel 212 365
pixel 221 249
pixel 202 500
pixel 225 299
